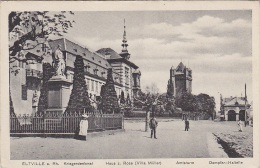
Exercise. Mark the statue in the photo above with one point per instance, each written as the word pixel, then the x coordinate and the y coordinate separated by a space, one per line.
pixel 35 98
pixel 59 63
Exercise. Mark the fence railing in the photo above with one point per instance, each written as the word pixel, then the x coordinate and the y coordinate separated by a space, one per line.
pixel 53 123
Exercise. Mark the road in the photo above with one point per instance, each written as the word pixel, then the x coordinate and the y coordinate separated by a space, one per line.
pixel 172 142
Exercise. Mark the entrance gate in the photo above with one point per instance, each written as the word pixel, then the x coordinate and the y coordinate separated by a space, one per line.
pixel 231 115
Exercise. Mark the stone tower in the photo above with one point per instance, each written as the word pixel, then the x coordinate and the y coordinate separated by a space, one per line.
pixel 182 79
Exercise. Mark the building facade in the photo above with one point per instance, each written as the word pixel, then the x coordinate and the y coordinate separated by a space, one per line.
pixel 25 85
pixel 234 108
pixel 181 76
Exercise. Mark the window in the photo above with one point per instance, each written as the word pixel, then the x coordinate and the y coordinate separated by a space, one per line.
pixel 126 76
pixel 95 71
pixel 24 92
pixel 21 64
pixel 88 84
pixel 97 87
pixel 86 68
pixel 92 85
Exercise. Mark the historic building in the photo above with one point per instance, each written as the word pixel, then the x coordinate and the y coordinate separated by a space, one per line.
pixel 233 108
pixel 25 86
pixel 181 77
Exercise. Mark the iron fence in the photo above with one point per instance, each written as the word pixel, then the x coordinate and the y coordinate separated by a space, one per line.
pixel 67 123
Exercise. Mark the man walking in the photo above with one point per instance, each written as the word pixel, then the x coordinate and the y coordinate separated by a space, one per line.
pixel 187 125
pixel 153 124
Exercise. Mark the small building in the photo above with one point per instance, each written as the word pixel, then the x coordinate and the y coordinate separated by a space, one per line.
pixel 233 109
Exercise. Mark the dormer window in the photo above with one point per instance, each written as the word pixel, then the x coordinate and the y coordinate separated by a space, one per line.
pixel 86 68
pixel 75 50
pixel 116 79
pixel 103 73
pixel 99 61
pixel 93 58
pixel 84 54
pixel 107 55
pixel 95 71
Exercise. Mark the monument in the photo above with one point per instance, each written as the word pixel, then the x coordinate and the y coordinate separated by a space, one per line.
pixel 59 86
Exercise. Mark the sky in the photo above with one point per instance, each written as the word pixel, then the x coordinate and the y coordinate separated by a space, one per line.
pixel 216 45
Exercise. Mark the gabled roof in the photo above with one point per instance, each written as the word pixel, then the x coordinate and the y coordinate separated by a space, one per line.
pixel 234 101
pixel 111 52
pixel 124 61
pixel 76 49
pixel 115 57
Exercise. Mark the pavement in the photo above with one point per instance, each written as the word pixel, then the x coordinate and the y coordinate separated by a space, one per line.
pixel 133 143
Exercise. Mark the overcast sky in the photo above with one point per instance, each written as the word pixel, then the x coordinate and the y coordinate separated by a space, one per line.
pixel 216 45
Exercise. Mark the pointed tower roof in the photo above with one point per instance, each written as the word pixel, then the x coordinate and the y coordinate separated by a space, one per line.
pixel 180 67
pixel 124 52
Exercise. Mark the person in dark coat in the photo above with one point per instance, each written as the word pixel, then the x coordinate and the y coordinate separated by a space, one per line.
pixel 153 124
pixel 187 125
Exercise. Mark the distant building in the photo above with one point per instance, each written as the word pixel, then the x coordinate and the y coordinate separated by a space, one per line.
pixel 233 108
pixel 181 77
pixel 25 86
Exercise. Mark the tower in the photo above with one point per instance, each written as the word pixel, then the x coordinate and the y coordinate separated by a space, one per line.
pixel 136 82
pixel 124 52
pixel 182 79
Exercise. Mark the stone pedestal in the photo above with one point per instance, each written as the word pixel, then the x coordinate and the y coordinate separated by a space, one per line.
pixel 58 93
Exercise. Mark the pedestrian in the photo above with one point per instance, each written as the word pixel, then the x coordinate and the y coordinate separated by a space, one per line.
pixel 153 124
pixel 83 127
pixel 187 125
pixel 240 125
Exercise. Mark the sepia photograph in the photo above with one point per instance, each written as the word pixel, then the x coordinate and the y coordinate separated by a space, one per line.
pixel 131 87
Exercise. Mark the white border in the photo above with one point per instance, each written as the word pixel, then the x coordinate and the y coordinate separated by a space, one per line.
pixel 6 7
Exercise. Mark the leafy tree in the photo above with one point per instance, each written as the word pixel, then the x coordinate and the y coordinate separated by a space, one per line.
pixel 122 98
pixel 28 30
pixel 206 104
pixel 43 100
pixel 109 101
pixel 187 102
pixel 31 31
pixel 170 89
pixel 79 99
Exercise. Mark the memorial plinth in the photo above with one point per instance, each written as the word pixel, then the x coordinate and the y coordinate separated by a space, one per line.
pixel 58 93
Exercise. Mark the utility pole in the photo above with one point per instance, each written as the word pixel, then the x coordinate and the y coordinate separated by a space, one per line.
pixel 245 105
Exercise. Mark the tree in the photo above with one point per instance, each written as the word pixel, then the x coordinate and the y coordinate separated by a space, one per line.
pixel 43 100
pixel 109 101
pixel 150 102
pixel 152 89
pixel 128 100
pixel 122 98
pixel 206 104
pixel 32 30
pixel 187 102
pixel 79 100
pixel 170 100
